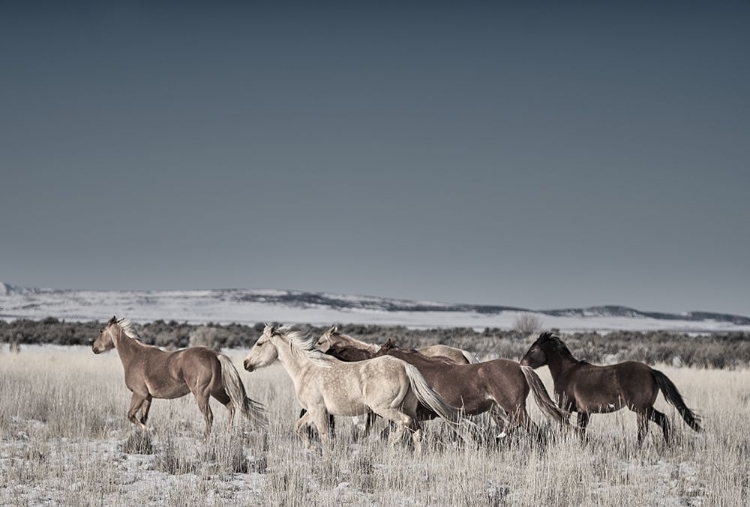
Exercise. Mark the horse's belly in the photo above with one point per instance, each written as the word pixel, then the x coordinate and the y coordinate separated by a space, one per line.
pixel 168 392
pixel 600 406
pixel 346 407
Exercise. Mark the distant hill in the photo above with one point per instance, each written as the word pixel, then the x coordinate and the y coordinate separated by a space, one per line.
pixel 253 305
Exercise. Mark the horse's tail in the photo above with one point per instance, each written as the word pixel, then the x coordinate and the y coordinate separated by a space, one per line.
pixel 428 397
pixel 469 356
pixel 673 396
pixel 541 397
pixel 254 411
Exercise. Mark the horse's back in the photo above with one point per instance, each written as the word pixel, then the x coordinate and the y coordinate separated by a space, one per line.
pixel 607 388
pixel 444 352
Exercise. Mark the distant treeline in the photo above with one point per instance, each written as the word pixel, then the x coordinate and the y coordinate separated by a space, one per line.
pixel 718 350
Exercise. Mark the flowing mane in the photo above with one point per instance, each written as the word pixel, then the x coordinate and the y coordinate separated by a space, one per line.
pixel 553 342
pixel 127 327
pixel 303 342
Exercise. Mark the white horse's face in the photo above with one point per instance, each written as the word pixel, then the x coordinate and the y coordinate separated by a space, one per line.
pixel 264 351
pixel 105 341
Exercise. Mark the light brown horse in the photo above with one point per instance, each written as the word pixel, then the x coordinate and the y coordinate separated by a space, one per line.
pixel 589 389
pixel 154 373
pixel 481 387
pixel 333 337
pixel 324 385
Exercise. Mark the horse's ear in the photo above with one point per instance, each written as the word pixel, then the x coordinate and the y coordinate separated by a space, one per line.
pixel 113 320
pixel 270 329
pixel 331 331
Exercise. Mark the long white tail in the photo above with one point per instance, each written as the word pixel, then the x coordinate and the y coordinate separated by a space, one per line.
pixel 429 398
pixel 254 411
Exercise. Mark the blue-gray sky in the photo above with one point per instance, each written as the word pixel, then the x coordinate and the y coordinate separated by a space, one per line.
pixel 542 155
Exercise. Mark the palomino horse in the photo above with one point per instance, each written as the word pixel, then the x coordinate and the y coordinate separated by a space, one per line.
pixel 589 389
pixel 481 387
pixel 153 373
pixel 344 347
pixel 333 337
pixel 324 385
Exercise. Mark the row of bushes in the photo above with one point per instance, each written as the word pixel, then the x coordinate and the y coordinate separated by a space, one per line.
pixel 718 350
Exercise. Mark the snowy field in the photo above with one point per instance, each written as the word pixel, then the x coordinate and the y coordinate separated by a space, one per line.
pixel 65 440
pixel 252 306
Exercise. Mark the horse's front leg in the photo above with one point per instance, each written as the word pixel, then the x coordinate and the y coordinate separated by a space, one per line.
pixel 321 420
pixel 136 402
pixel 145 407
pixel 583 421
pixel 300 427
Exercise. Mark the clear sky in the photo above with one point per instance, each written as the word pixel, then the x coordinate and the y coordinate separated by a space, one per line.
pixel 542 155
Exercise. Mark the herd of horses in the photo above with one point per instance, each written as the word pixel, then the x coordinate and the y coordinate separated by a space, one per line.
pixel 338 375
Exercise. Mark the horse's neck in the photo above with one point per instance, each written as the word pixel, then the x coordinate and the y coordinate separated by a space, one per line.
pixel 293 363
pixel 558 364
pixel 127 348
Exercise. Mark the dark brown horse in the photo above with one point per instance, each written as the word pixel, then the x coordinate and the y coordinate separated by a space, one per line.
pixel 589 389
pixel 481 387
pixel 154 373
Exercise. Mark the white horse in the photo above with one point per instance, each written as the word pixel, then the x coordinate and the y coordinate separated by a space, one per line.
pixel 335 338
pixel 324 385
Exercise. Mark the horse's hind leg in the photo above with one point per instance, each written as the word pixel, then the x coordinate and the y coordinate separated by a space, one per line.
pixel 652 414
pixel 202 398
pixel 369 421
pixel 660 419
pixel 221 395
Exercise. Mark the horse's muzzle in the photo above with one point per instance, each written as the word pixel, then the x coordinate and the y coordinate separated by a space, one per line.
pixel 248 366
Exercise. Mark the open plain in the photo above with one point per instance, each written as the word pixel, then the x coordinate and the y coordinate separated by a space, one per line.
pixel 65 440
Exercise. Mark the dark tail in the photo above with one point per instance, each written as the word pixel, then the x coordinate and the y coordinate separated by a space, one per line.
pixel 545 403
pixel 673 396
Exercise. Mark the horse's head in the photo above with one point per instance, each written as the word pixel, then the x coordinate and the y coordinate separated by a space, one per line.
pixel 264 351
pixel 332 338
pixel 105 340
pixel 536 356
pixel 329 339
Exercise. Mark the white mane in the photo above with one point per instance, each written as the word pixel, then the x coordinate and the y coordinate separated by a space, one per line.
pixel 302 342
pixel 127 327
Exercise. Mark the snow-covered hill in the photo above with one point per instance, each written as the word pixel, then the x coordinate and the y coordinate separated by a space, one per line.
pixel 251 306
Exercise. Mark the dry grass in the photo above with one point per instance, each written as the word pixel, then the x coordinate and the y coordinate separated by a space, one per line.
pixel 64 440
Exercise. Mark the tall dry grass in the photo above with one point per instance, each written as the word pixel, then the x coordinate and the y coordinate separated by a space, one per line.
pixel 65 440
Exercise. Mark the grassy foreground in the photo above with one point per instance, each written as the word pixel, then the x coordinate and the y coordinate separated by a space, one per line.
pixel 65 440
